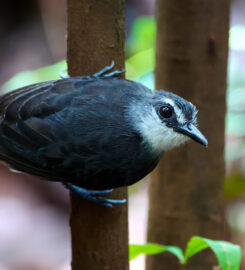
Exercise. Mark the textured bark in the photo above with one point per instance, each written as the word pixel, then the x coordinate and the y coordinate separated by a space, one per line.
pixel 186 189
pixel 95 38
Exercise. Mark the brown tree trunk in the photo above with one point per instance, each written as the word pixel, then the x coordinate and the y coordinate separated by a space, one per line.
pixel 95 38
pixel 186 189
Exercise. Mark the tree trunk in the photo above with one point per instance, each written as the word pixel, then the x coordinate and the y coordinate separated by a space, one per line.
pixel 186 193
pixel 95 38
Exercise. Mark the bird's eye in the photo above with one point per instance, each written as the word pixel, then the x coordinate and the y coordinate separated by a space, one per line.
pixel 166 111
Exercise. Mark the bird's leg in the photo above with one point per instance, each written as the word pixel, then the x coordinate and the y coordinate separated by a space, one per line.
pixel 62 74
pixel 100 74
pixel 114 73
pixel 93 195
pixel 103 72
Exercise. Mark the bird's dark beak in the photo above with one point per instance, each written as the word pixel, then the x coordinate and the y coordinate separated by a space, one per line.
pixel 193 132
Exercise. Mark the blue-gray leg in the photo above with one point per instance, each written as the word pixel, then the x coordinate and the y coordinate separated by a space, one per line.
pixel 93 195
pixel 63 75
pixel 103 72
pixel 114 73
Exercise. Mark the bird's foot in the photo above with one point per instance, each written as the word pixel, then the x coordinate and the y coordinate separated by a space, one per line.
pixel 94 195
pixel 63 75
pixel 101 74
pixel 104 72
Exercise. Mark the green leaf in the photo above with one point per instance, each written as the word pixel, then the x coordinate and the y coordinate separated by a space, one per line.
pixel 153 249
pixel 228 255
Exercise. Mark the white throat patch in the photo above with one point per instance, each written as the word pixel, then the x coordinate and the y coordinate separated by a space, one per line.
pixel 157 135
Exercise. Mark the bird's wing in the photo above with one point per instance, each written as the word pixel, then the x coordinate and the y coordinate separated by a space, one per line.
pixel 56 129
pixel 29 123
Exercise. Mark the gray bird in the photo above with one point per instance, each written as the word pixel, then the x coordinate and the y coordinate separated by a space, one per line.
pixel 92 133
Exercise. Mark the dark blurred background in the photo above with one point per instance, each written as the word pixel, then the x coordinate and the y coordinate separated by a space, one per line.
pixel 34 214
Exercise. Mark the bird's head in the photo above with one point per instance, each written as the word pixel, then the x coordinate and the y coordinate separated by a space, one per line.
pixel 166 120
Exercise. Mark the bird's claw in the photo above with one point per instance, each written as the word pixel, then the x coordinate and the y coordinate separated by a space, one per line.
pixel 104 72
pixel 91 195
pixel 114 73
pixel 106 201
pixel 101 74
pixel 62 74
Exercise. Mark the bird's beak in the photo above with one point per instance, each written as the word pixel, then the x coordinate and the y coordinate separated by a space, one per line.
pixel 193 132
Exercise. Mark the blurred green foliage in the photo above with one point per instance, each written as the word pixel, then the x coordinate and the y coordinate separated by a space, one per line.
pixel 140 49
pixel 140 64
pixel 29 77
pixel 142 36
pixel 234 185
pixel 235 117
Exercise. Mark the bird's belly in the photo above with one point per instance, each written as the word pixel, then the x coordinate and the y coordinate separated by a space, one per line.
pixel 113 178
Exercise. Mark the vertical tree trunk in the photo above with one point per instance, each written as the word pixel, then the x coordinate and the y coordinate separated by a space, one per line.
pixel 95 38
pixel 186 189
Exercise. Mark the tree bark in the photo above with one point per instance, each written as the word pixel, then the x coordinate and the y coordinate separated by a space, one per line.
pixel 96 37
pixel 186 192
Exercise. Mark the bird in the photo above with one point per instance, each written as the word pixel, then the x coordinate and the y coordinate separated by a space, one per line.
pixel 93 133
